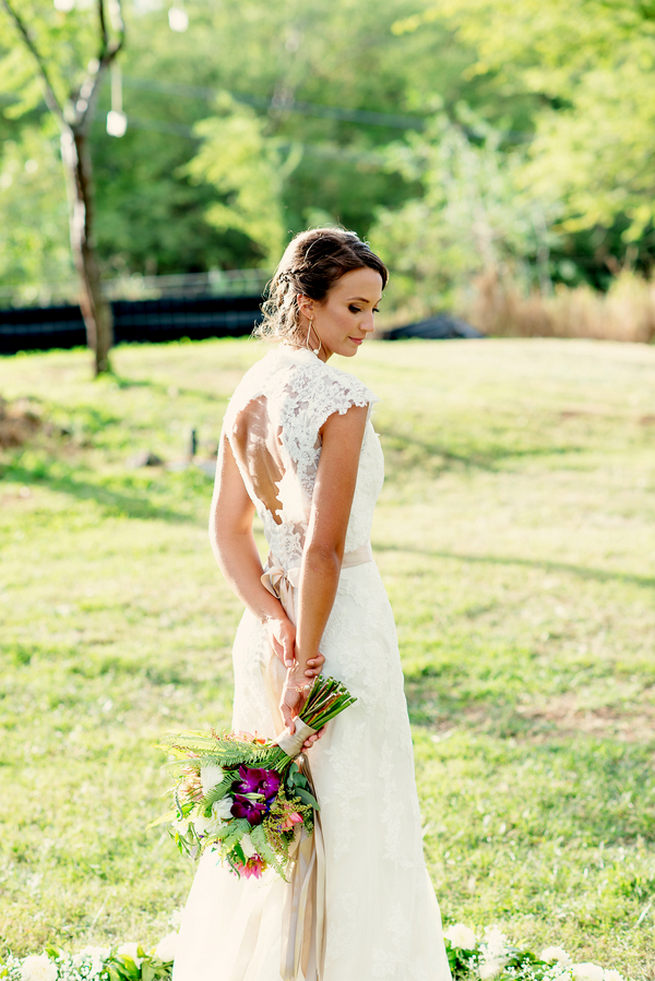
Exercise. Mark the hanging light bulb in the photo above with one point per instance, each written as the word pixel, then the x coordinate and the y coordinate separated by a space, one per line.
pixel 116 123
pixel 178 19
pixel 116 118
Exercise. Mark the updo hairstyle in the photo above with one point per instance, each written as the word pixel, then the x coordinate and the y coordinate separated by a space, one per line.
pixel 312 263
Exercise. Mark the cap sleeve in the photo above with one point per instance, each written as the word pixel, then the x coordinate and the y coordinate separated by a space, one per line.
pixel 318 392
pixel 339 392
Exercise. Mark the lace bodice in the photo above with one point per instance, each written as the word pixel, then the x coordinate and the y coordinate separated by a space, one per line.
pixel 273 425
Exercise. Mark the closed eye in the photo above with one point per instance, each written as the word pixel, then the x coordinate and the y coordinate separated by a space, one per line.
pixel 354 309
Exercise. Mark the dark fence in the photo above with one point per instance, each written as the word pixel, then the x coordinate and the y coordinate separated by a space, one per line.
pixel 151 321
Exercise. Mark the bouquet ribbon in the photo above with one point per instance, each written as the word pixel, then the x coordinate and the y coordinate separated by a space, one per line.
pixel 292 743
pixel 303 929
pixel 303 937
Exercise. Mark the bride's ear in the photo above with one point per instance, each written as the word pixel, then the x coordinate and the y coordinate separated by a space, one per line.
pixel 306 306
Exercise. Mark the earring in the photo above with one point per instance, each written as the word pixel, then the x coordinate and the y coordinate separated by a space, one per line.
pixel 314 350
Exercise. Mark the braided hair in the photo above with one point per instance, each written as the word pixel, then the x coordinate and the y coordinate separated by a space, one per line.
pixel 312 263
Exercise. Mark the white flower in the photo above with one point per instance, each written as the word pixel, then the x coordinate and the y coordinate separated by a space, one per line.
pixel 95 956
pixel 558 972
pixel 165 949
pixel 211 775
pixel 495 943
pixel 460 936
pixel 612 976
pixel 201 823
pixel 38 967
pixel 96 953
pixel 210 826
pixel 130 950
pixel 490 968
pixel 248 848
pixel 554 954
pixel 585 971
pixel 223 808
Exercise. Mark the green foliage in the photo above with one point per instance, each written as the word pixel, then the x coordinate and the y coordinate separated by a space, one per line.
pixel 298 787
pixel 249 171
pixel 65 40
pixel 446 132
pixel 474 213
pixel 589 65
pixel 34 212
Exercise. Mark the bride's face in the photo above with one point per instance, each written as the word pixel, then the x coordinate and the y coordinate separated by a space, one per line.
pixel 345 317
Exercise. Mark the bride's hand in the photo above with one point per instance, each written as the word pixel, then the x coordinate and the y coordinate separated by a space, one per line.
pixel 282 638
pixel 309 742
pixel 295 692
pixel 294 695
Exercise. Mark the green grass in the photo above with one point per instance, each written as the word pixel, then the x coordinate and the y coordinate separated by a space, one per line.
pixel 516 535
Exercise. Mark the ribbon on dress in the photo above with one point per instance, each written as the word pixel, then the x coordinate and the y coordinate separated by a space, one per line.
pixel 303 919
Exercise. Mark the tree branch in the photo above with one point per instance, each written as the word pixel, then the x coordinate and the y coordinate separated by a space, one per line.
pixel 51 99
pixel 103 27
pixel 108 51
pixel 119 26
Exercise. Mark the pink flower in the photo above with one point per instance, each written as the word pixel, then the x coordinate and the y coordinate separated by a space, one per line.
pixel 253 867
pixel 290 820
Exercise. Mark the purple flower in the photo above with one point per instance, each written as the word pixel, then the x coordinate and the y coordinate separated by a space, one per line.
pixel 254 793
pixel 256 781
pixel 253 811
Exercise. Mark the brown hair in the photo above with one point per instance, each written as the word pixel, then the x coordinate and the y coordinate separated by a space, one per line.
pixel 312 263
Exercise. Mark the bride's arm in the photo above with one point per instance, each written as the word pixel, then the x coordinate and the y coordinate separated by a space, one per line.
pixel 232 540
pixel 324 545
pixel 233 545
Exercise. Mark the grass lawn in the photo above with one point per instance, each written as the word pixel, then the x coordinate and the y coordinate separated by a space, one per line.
pixel 516 536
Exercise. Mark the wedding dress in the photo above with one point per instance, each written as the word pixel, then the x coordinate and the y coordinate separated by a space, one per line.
pixel 382 919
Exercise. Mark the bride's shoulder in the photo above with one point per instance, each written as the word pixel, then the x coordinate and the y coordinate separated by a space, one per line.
pixel 296 377
pixel 324 389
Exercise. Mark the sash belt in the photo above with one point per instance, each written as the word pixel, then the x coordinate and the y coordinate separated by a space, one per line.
pixel 303 918
pixel 283 583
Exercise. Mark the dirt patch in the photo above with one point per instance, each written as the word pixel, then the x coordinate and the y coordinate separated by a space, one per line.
pixel 630 723
pixel 19 422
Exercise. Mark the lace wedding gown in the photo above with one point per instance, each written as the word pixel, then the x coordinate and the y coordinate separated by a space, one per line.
pixel 382 919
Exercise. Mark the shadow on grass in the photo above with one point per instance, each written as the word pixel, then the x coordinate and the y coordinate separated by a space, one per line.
pixel 433 457
pixel 580 784
pixel 112 501
pixel 548 565
pixel 165 388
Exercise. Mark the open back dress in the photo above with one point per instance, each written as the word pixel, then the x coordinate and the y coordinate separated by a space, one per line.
pixel 382 921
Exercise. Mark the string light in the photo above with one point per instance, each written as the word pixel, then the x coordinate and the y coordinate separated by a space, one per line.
pixel 178 19
pixel 116 118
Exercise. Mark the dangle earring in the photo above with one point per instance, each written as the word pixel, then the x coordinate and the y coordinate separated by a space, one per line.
pixel 314 350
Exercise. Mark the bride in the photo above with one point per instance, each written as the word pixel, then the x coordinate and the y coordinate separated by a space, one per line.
pixel 299 450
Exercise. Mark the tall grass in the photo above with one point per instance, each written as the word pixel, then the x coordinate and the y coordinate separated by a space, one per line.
pixel 625 313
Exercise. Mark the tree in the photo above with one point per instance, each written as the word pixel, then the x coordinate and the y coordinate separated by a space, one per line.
pixel 71 94
pixel 588 64
pixel 473 215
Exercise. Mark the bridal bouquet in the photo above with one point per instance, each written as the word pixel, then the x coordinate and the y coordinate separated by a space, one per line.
pixel 245 797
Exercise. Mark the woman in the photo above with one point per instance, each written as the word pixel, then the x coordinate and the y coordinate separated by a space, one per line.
pixel 298 449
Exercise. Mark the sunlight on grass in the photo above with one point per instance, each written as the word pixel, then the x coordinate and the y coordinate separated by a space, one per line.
pixel 516 535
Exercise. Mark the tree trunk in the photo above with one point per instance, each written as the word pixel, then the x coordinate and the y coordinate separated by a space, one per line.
pixel 95 309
